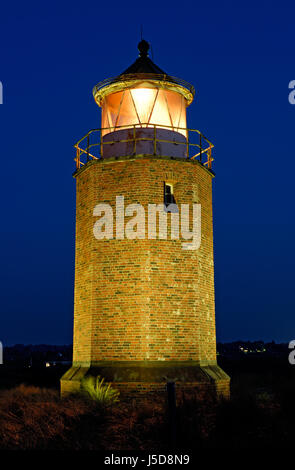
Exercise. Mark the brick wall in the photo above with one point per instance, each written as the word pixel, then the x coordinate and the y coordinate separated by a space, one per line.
pixel 139 300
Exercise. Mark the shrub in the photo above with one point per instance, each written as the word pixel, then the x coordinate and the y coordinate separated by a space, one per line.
pixel 35 418
pixel 100 392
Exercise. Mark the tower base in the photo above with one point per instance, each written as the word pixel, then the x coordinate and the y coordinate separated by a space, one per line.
pixel 139 379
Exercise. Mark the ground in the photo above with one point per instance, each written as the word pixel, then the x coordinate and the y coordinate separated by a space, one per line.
pixel 260 413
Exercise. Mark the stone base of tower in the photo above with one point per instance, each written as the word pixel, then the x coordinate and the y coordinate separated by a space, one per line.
pixel 139 380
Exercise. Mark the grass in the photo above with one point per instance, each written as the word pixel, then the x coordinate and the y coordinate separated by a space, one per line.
pixel 32 418
pixel 261 413
pixel 95 389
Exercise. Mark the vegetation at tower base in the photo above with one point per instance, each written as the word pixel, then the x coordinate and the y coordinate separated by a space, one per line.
pixel 100 392
pixel 259 413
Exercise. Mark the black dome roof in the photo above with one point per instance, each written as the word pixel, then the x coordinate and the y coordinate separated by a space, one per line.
pixel 143 69
pixel 143 64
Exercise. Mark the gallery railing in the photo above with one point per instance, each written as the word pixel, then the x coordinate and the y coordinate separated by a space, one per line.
pixel 91 145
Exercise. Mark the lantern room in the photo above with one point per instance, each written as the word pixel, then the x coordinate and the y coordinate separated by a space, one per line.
pixel 143 110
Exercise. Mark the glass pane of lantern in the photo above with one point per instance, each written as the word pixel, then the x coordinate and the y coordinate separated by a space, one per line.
pixel 144 99
pixel 112 104
pixel 176 104
pixel 182 121
pixel 160 114
pixel 104 119
pixel 127 115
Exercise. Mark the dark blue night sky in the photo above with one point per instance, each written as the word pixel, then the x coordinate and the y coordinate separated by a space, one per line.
pixel 240 59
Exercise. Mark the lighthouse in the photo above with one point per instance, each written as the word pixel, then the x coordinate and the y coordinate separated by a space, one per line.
pixel 144 307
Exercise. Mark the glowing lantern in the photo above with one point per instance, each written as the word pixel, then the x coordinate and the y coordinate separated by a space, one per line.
pixel 144 98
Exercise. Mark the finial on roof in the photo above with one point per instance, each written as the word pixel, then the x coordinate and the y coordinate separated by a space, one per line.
pixel 143 48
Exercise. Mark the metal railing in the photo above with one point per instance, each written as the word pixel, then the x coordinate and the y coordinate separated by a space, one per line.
pixel 90 146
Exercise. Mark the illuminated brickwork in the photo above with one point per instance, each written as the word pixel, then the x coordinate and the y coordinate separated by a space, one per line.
pixel 143 301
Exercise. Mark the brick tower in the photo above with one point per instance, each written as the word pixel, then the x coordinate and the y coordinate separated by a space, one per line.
pixel 144 310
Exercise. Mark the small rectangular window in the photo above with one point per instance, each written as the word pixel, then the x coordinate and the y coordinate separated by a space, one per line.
pixel 169 197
